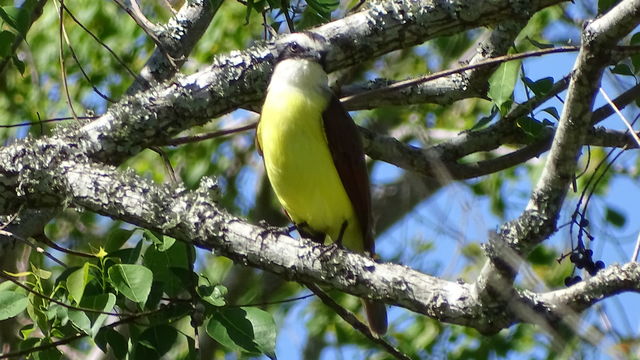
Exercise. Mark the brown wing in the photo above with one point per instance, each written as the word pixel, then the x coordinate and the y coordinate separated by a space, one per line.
pixel 257 139
pixel 348 156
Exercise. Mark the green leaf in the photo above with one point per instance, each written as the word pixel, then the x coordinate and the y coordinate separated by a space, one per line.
pixel 553 112
pixel 318 12
pixel 58 313
pixel 245 329
pixel 8 286
pixel 49 353
pixel 19 64
pixel 29 343
pixel 502 83
pixel 485 119
pixel 24 16
pixel 117 238
pixel 80 320
pixel 540 45
pixel 133 281
pixel 109 338
pixel 324 6
pixel 77 282
pixel 6 42
pixel 192 352
pixel 247 15
pixel 615 217
pixel 635 59
pixel 40 273
pixel 9 14
pixel 213 294
pixel 539 87
pixel 622 69
pixel 154 342
pixel 161 264
pixel 35 309
pixel 27 330
pixel 160 241
pixel 529 126
pixel 606 5
pixel 20 274
pixel 103 303
pixel 12 303
pixel 128 256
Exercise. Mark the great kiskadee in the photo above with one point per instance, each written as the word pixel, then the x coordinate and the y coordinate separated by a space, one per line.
pixel 313 154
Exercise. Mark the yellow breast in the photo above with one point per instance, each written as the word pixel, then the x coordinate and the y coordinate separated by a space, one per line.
pixel 300 166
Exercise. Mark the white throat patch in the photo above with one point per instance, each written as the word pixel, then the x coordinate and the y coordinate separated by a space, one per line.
pixel 300 73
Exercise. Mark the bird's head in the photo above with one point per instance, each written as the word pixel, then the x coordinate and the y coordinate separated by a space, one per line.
pixel 305 45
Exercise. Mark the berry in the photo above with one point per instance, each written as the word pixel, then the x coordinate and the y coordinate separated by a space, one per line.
pixel 572 280
pixel 568 281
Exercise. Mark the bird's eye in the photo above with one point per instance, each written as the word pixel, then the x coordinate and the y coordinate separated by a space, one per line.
pixel 294 47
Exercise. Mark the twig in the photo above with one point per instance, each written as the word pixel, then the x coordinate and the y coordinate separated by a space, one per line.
pixel 11 218
pixel 77 336
pixel 147 26
pixel 624 120
pixel 97 39
pixel 167 164
pixel 35 247
pixel 46 240
pixel 297 298
pixel 71 307
pixel 636 250
pixel 284 5
pixel 493 61
pixel 29 123
pixel 201 137
pixel 63 72
pixel 355 323
pixel 141 19
pixel 85 75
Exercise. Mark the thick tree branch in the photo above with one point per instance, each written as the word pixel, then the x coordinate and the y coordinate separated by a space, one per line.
pixel 181 33
pixel 195 217
pixel 539 219
pixel 240 78
pixel 444 90
pixel 598 39
pixel 179 36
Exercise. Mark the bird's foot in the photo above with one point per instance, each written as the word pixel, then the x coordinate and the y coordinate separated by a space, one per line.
pixel 343 228
pixel 327 250
pixel 275 230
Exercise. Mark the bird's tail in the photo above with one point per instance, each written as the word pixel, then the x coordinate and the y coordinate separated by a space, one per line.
pixel 376 315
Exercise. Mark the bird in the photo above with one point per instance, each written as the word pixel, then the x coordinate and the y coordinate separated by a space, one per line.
pixel 313 155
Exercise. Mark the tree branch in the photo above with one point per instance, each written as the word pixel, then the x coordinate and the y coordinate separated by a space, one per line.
pixel 195 217
pixel 538 221
pixel 179 36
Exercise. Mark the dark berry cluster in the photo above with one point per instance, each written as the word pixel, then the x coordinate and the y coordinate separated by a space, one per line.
pixel 582 258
